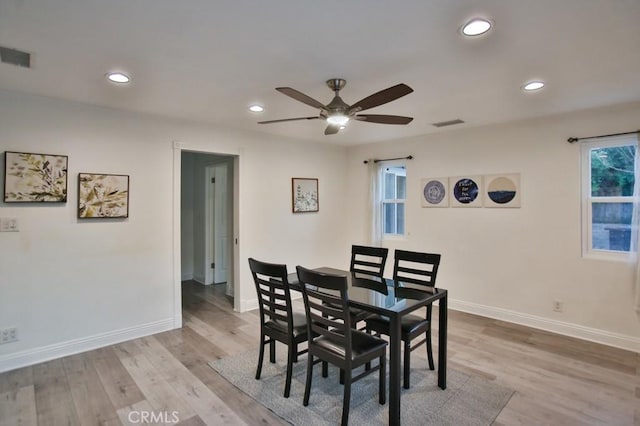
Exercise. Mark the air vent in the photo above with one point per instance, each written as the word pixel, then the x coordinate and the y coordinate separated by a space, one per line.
pixel 15 57
pixel 448 123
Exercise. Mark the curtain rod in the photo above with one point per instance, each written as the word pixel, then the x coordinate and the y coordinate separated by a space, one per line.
pixel 572 140
pixel 410 157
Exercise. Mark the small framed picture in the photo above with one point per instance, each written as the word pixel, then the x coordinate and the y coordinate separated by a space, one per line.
pixel 466 191
pixel 35 178
pixel 304 195
pixel 103 196
pixel 435 192
pixel 502 190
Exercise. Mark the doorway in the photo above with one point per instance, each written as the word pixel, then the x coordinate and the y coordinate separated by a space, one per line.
pixel 207 203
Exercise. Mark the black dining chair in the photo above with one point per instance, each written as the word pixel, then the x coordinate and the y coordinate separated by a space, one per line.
pixel 366 261
pixel 278 322
pixel 335 342
pixel 417 270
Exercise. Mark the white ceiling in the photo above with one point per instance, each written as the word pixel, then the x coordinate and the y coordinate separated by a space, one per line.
pixel 208 60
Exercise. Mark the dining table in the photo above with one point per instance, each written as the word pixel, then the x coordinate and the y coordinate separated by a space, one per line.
pixel 394 300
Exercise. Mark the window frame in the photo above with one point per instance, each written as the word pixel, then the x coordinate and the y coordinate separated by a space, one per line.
pixel 396 201
pixel 588 200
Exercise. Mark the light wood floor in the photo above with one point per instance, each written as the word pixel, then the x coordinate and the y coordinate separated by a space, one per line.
pixel 558 380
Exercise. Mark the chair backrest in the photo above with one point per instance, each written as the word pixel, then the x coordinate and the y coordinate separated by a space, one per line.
pixel 415 267
pixel 326 307
pixel 368 260
pixel 272 287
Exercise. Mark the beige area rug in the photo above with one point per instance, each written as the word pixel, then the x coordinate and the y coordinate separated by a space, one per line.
pixel 468 400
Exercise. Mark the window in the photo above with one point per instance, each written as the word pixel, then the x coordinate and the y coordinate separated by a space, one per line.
pixel 608 178
pixel 394 194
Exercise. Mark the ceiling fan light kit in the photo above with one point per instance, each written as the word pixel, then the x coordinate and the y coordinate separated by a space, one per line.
pixel 338 113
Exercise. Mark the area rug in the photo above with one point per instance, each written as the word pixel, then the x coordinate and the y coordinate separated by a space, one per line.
pixel 468 400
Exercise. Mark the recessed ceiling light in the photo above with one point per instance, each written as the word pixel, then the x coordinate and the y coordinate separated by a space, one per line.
pixel 533 85
pixel 118 77
pixel 476 27
pixel 256 108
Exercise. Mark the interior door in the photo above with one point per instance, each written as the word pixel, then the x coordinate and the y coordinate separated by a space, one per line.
pixel 221 224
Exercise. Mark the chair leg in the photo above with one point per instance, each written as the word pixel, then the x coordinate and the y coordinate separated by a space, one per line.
pixel 382 391
pixel 407 364
pixel 272 351
pixel 287 385
pixel 260 358
pixel 342 377
pixel 307 386
pixel 430 351
pixel 295 352
pixel 346 399
pixel 325 369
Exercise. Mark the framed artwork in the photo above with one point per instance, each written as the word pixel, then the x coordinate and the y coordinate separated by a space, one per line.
pixel 304 195
pixel 103 196
pixel 466 191
pixel 35 178
pixel 502 190
pixel 435 192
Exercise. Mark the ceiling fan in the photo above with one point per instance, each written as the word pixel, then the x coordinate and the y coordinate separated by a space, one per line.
pixel 337 113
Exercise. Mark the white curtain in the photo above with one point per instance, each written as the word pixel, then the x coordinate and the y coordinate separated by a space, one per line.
pixel 635 239
pixel 375 203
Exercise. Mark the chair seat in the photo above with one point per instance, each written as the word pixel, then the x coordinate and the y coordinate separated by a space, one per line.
pixel 299 325
pixel 361 344
pixel 409 324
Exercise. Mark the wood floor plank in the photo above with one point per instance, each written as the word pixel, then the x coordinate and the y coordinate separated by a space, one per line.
pixel 92 403
pixel 18 407
pixel 116 380
pixel 53 398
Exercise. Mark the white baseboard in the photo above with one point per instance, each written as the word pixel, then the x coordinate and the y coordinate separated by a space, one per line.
pixel 59 350
pixel 608 338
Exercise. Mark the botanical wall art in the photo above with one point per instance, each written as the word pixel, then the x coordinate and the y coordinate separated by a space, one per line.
pixel 502 190
pixel 304 193
pixel 103 196
pixel 466 191
pixel 32 178
pixel 435 192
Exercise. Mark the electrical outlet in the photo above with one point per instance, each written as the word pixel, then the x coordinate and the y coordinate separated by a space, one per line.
pixel 8 335
pixel 558 306
pixel 9 224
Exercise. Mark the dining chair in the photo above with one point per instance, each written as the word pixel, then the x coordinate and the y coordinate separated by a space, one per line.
pixel 278 322
pixel 415 269
pixel 368 261
pixel 328 319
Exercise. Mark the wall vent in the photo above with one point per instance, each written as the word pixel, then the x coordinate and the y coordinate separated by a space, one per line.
pixel 15 57
pixel 448 123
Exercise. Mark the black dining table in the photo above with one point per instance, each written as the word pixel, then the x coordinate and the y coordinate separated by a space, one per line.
pixel 394 300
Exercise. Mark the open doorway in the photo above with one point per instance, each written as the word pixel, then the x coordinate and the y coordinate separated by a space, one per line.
pixel 206 223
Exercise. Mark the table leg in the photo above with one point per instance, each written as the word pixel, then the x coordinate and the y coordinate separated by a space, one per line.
pixel 442 342
pixel 394 371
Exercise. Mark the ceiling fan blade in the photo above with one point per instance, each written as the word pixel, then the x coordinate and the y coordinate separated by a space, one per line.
pixel 382 97
pixel 331 130
pixel 299 96
pixel 288 119
pixel 384 119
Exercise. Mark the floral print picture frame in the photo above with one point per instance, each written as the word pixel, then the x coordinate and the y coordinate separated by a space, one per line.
pixel 304 195
pixel 103 196
pixel 35 178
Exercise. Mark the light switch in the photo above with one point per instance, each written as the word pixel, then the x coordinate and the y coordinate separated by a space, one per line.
pixel 9 224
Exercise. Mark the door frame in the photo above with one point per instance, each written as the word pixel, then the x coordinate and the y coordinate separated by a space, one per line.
pixel 178 147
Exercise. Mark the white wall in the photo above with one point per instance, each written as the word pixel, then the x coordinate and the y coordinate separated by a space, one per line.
pixel 70 285
pixel 512 263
